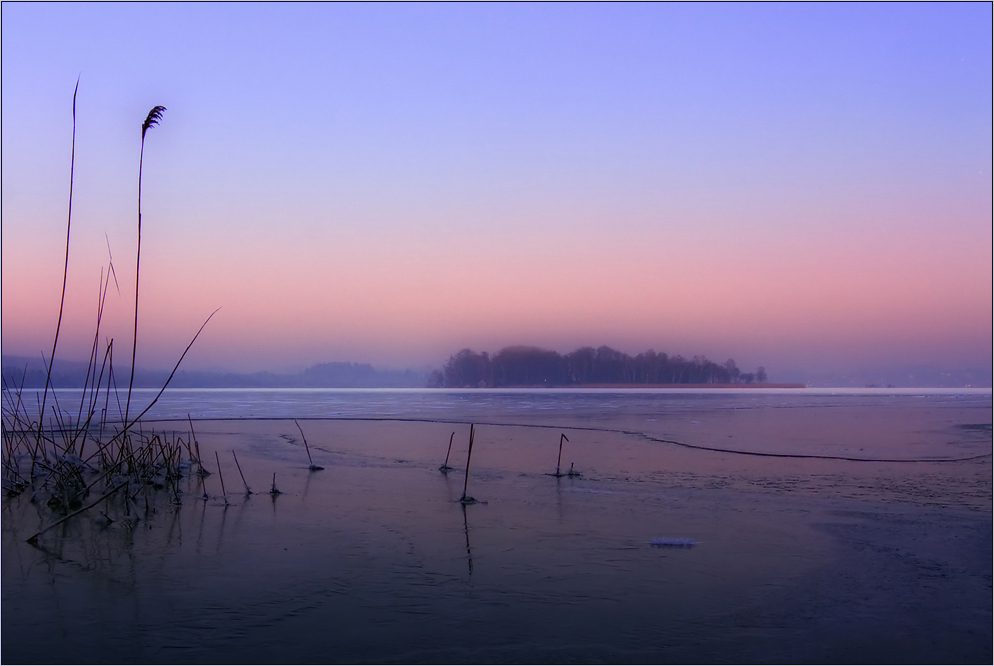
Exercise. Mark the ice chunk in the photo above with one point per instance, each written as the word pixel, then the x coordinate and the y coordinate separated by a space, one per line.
pixel 672 542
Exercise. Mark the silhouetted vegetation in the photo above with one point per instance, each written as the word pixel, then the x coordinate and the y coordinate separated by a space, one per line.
pixel 66 458
pixel 531 366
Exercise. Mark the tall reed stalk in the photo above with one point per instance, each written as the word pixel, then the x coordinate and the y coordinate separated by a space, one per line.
pixel 153 118
pixel 65 269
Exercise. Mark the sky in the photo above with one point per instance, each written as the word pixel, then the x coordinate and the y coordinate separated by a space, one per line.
pixel 805 187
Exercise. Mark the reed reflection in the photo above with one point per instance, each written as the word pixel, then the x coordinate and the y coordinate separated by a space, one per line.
pixel 469 550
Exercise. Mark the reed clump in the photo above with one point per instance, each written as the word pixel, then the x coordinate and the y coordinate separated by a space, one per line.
pixel 73 465
pixel 73 458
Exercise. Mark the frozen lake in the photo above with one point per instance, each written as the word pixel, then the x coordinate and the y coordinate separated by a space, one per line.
pixel 707 526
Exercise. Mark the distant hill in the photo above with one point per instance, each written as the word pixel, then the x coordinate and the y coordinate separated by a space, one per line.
pixel 30 373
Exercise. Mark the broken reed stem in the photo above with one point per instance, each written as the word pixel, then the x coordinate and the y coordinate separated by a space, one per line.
pixel 196 445
pixel 224 494
pixel 306 448
pixel 193 438
pixel 447 453
pixel 560 459
pixel 465 485
pixel 248 491
pixel 171 374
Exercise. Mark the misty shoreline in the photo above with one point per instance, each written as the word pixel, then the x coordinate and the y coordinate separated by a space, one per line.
pixel 768 385
pixel 29 373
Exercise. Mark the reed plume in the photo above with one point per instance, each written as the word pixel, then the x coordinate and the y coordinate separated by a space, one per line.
pixel 153 118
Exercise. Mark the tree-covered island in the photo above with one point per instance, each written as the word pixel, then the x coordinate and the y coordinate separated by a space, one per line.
pixel 532 366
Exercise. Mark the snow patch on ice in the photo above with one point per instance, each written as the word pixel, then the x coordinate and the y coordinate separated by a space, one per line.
pixel 672 542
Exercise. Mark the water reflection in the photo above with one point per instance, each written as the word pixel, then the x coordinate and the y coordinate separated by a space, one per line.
pixel 469 550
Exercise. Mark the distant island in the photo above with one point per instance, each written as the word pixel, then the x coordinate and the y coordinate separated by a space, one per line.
pixel 522 366
pixel 511 367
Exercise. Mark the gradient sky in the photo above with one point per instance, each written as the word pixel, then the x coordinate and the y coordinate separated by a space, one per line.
pixel 800 186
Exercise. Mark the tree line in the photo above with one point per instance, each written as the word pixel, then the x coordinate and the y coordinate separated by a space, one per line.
pixel 532 366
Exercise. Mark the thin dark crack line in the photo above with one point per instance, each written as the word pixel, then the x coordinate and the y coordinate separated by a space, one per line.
pixel 633 433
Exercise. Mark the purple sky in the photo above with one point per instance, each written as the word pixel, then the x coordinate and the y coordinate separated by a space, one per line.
pixel 802 186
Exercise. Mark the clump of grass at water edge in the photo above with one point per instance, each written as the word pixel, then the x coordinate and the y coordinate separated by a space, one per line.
pixel 94 456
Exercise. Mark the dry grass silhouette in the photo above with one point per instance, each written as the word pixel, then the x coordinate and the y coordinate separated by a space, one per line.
pixel 65 459
pixel 65 269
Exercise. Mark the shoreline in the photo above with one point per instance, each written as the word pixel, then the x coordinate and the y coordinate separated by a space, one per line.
pixel 656 386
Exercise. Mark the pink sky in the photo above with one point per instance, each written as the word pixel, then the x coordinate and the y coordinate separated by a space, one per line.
pixel 764 201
